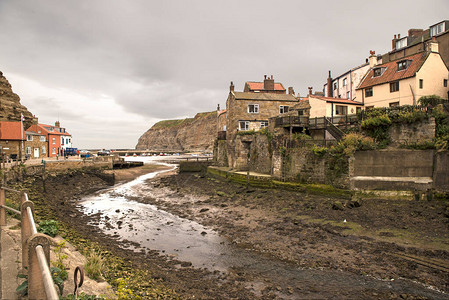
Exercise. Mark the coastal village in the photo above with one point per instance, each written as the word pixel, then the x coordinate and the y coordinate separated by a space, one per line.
pixel 338 193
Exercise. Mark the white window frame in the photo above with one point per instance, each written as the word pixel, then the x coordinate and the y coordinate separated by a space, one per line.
pixel 44 150
pixel 437 29
pixel 54 141
pixel 283 109
pixel 245 124
pixel 42 138
pixel 344 82
pixel 28 150
pixel 401 43
pixel 29 138
pixel 348 95
pixel 53 150
pixel 263 124
pixel 253 108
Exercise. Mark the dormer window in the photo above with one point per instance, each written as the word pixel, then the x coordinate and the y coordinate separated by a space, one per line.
pixel 401 43
pixel 437 29
pixel 378 72
pixel 403 64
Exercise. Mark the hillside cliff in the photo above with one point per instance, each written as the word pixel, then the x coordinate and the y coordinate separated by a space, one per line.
pixel 10 107
pixel 191 134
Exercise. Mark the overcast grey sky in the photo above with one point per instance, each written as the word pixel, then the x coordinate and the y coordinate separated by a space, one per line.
pixel 108 70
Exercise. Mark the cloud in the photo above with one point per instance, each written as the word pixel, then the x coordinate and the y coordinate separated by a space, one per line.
pixel 98 64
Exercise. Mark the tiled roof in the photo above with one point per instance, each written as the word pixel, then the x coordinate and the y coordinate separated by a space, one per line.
pixel 336 100
pixel 11 131
pixel 391 72
pixel 258 86
pixel 52 129
pixel 264 96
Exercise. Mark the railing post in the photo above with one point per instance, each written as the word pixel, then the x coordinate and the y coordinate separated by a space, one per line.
pixel 36 282
pixel 26 230
pixel 2 209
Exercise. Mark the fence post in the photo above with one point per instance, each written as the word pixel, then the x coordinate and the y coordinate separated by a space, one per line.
pixel 36 287
pixel 26 230
pixel 2 209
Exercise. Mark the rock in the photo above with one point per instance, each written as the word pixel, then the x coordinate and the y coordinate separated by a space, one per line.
pixel 337 205
pixel 204 210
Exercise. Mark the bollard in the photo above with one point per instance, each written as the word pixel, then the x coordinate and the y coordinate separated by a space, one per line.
pixel 2 208
pixel 40 283
pixel 26 229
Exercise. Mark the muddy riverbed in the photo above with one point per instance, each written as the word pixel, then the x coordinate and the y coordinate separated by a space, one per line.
pixel 207 238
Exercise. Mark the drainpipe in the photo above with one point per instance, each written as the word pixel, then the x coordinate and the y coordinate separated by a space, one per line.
pixel 413 94
pixel 350 84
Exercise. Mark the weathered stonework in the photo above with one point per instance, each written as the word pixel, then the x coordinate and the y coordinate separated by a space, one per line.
pixel 403 134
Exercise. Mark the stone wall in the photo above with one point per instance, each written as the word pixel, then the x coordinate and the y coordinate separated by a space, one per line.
pixel 441 172
pixel 220 153
pixel 412 133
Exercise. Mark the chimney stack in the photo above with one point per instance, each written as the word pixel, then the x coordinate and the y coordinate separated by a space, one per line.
pixel 310 90
pixel 372 59
pixel 231 88
pixel 329 86
pixel 268 83
pixel 432 45
pixel 57 124
pixel 291 91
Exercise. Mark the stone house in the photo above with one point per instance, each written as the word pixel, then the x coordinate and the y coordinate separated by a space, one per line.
pixel 12 137
pixel 250 110
pixel 405 80
pixel 36 145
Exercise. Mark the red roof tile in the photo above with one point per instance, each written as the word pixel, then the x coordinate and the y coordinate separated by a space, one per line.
pixel 11 131
pixel 391 72
pixel 258 86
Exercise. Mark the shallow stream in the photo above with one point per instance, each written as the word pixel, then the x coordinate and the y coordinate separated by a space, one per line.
pixel 149 228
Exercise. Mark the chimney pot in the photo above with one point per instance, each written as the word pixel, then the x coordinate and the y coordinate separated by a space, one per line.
pixel 271 77
pixel 399 35
pixel 231 88
pixel 264 76
pixel 395 36
pixel 310 90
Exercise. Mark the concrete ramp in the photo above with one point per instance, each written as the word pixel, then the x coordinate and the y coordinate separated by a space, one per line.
pixel 398 169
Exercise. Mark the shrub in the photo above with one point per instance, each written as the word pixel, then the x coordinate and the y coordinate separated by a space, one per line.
pixel 430 101
pixel 94 266
pixel 48 227
pixel 59 263
pixel 319 151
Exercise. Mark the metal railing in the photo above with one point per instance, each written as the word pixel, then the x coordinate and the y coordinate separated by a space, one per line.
pixel 35 248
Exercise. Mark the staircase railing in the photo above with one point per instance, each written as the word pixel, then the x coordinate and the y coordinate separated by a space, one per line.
pixel 333 130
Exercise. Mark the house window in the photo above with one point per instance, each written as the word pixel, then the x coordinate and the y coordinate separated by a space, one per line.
pixel 401 43
pixel 394 104
pixel 42 138
pixel 243 125
pixel 283 109
pixel 369 92
pixel 28 150
pixel 403 64
pixel 445 82
pixel 377 72
pixel 421 83
pixel 263 124
pixel 53 150
pixel 43 150
pixel 54 141
pixel 341 110
pixel 253 108
pixel 394 86
pixel 344 82
pixel 437 29
pixel 29 138
pixel 300 113
pixel 348 95
pixel 335 85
